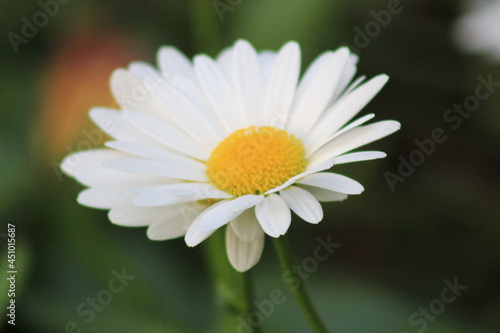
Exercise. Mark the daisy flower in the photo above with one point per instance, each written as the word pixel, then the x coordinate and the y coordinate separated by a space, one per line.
pixel 236 142
pixel 477 30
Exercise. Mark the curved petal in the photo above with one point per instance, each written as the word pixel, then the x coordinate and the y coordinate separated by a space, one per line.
pixel 313 168
pixel 273 215
pixel 347 76
pixel 333 182
pixel 353 139
pixel 344 110
pixel 324 195
pixel 242 254
pixel 344 129
pixel 224 211
pixel 359 156
pixel 246 225
pixel 195 235
pixel 303 203
pixel 216 216
pixel 173 222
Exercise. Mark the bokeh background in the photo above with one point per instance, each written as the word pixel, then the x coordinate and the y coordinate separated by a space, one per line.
pixel 397 247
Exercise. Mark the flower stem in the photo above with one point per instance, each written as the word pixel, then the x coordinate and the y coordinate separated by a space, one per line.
pixel 232 288
pixel 282 246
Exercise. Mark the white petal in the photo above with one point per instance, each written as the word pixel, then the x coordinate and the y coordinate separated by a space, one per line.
pixel 333 182
pixel 224 211
pixel 79 162
pixel 103 176
pixel 266 59
pixel 225 62
pixel 347 76
pixel 163 154
pixel 303 203
pixel 274 215
pixel 195 95
pixel 172 62
pixel 282 85
pixel 219 92
pixel 180 169
pixel 179 110
pixel 344 129
pixel 87 168
pixel 150 76
pixel 359 156
pixel 195 235
pixel 177 193
pixel 312 168
pixel 174 222
pixel 104 197
pixel 114 124
pixel 128 215
pixel 167 134
pixel 315 90
pixel 169 228
pixel 134 93
pixel 322 194
pixel 356 83
pixel 248 82
pixel 242 254
pixel 353 139
pixel 197 122
pixel 246 226
pixel 343 110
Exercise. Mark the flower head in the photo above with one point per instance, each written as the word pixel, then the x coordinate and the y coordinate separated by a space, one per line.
pixel 238 141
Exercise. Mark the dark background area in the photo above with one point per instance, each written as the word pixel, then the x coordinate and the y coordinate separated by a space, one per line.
pixel 398 246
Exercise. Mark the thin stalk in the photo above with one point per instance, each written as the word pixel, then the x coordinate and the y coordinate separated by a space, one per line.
pixel 283 249
pixel 232 289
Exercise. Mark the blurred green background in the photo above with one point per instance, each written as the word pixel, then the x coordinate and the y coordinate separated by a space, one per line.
pixel 397 247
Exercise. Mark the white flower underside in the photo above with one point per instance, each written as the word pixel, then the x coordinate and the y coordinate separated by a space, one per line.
pixel 477 30
pixel 153 173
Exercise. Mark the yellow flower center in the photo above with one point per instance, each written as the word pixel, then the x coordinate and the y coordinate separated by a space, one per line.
pixel 254 160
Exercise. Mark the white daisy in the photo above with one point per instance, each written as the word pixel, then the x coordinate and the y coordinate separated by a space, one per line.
pixel 236 141
pixel 477 31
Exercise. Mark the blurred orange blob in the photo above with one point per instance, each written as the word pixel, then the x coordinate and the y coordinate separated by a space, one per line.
pixel 75 80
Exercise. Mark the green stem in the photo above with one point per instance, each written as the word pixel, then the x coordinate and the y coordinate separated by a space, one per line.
pixel 282 246
pixel 232 288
